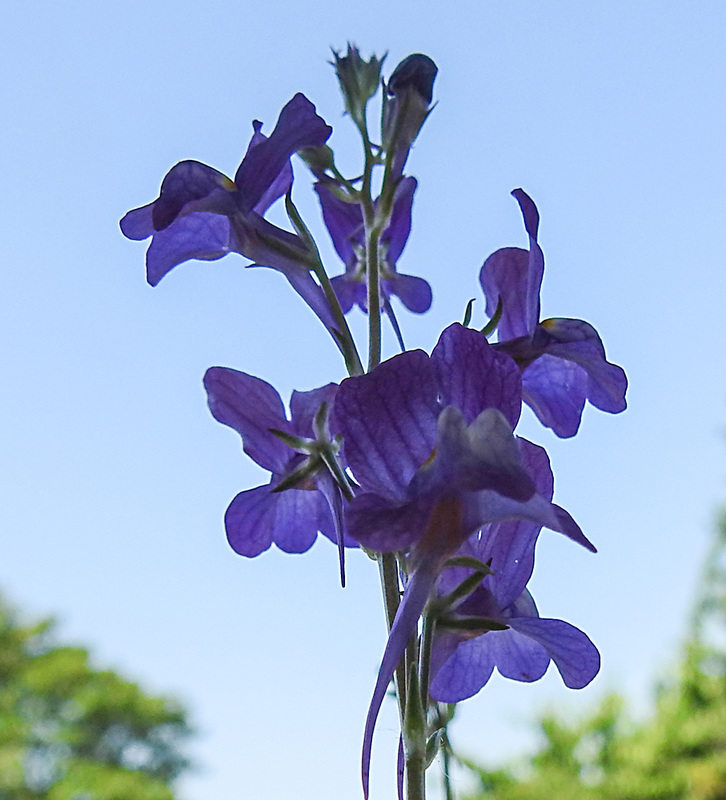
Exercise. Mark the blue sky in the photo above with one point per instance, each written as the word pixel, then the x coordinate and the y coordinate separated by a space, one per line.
pixel 115 476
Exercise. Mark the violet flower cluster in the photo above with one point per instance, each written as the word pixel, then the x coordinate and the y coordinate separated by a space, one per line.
pixel 414 459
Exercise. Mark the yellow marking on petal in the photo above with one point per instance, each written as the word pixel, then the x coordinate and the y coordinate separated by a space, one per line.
pixel 228 184
pixel 547 324
pixel 429 460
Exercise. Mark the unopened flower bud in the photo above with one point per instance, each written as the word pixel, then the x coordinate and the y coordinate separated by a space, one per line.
pixel 406 105
pixel 417 72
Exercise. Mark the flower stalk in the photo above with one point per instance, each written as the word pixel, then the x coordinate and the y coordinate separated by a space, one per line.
pixel 413 459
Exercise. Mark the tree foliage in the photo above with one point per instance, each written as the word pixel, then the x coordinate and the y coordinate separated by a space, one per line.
pixel 678 753
pixel 71 732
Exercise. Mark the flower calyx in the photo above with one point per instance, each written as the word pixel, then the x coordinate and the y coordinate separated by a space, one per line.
pixel 359 80
pixel 443 608
pixel 321 454
pixel 441 605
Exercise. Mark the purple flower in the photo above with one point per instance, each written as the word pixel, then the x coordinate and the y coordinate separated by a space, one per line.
pixel 429 440
pixel 345 225
pixel 563 360
pixel 200 213
pixel 464 658
pixel 258 517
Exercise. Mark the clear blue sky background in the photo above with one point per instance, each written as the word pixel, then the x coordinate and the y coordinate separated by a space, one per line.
pixel 115 476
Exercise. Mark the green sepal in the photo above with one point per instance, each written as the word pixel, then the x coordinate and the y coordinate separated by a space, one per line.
pixel 464 589
pixel 470 563
pixel 433 745
pixel 322 453
pixel 359 80
pixel 297 443
pixel 478 624
pixel 298 477
pixel 444 604
pixel 467 313
pixel 346 193
pixel 320 422
pixel 491 326
pixel 297 222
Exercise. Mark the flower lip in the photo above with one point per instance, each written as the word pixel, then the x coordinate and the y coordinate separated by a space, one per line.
pixel 259 517
pixel 462 663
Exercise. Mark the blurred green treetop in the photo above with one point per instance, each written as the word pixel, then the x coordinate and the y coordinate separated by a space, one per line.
pixel 679 753
pixel 72 732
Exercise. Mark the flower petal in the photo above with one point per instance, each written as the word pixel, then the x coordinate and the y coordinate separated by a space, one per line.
pixel 556 390
pixel 483 455
pixel 489 506
pixel 504 276
pixel 536 256
pixel 252 407
pixel 465 672
pixel 280 185
pixel 575 656
pixel 298 126
pixel 508 546
pixel 191 186
pixel 516 656
pixel 473 376
pixel 577 341
pixel 137 224
pixel 384 525
pixel 398 230
pixel 347 291
pixel 291 519
pixel 305 405
pixel 201 235
pixel 344 222
pixel 414 293
pixel 388 421
pixel 515 276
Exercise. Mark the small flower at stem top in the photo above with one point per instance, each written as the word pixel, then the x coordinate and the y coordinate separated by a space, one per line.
pixel 200 213
pixel 259 517
pixel 344 221
pixel 429 441
pixel 562 360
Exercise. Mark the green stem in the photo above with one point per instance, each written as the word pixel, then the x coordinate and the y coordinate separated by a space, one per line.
pixel 374 220
pixel 416 778
pixel 373 236
pixel 427 639
pixel 346 341
pixel 353 363
pixel 373 229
